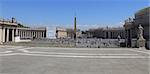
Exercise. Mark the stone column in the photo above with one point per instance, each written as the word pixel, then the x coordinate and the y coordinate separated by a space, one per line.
pixel 141 40
pixel 26 34
pixel 7 40
pixel 31 34
pixel 1 32
pixel 13 38
pixel 37 34
pixel 40 35
pixel 16 34
pixel 3 35
pixel 23 34
pixel 20 33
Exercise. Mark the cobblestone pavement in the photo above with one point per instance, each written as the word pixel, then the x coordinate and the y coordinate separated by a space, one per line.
pixel 45 60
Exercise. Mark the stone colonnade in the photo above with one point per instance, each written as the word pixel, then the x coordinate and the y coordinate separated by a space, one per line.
pixel 28 34
pixel 114 34
pixel 8 34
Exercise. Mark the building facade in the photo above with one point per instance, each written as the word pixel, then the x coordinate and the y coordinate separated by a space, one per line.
pixel 66 33
pixel 113 33
pixel 105 33
pixel 131 26
pixel 61 33
pixel 9 29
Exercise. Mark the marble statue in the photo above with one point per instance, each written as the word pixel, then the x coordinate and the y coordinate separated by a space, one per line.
pixel 141 40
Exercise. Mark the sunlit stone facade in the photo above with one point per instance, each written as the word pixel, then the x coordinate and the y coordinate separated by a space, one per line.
pixel 9 29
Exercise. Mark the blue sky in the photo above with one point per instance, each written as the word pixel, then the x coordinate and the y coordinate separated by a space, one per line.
pixel 52 13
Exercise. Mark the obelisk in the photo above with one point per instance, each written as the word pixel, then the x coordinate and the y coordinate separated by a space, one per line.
pixel 75 27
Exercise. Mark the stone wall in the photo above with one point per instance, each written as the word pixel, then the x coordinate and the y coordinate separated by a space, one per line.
pixel 90 43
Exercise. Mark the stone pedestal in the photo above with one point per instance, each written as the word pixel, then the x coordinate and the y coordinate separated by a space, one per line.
pixel 141 43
